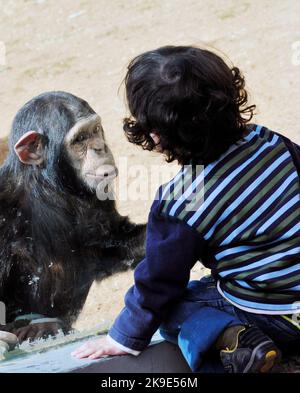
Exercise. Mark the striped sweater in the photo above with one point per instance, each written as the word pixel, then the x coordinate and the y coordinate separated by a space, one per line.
pixel 246 205
pixel 239 215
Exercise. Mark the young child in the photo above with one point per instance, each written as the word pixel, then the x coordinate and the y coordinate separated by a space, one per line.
pixel 239 214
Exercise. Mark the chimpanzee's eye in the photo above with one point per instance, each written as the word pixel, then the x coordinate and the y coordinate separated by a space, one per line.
pixel 80 138
pixel 96 130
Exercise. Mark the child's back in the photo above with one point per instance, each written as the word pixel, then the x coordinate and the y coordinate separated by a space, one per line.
pixel 248 218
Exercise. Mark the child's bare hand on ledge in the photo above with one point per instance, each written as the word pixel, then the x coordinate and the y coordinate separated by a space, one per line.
pixel 97 348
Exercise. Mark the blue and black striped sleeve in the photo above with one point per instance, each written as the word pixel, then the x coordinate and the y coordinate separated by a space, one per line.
pixel 172 249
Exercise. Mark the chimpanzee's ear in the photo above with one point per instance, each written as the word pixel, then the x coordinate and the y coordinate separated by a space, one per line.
pixel 30 149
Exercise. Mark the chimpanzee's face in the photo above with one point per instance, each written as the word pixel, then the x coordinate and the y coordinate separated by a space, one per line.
pixel 89 154
pixel 86 149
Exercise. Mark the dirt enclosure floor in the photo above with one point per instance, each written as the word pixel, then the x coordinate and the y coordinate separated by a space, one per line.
pixel 83 46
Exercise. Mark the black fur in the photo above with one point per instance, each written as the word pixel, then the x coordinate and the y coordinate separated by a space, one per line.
pixel 56 237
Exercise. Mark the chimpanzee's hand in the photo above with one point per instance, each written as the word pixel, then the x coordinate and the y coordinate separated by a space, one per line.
pixel 36 331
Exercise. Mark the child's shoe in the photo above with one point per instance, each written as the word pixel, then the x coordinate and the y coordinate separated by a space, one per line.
pixel 254 352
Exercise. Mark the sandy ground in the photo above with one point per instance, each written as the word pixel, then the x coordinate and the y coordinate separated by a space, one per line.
pixel 83 46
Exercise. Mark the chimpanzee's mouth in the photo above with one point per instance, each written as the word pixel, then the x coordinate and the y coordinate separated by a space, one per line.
pixel 105 175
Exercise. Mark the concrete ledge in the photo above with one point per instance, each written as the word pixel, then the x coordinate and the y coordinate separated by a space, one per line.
pixel 160 357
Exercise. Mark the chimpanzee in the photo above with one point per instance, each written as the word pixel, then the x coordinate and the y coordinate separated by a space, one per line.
pixel 57 235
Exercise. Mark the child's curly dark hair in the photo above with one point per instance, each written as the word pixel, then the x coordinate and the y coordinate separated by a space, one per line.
pixel 190 98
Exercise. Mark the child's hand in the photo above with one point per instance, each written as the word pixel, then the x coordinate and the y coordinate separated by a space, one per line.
pixel 96 349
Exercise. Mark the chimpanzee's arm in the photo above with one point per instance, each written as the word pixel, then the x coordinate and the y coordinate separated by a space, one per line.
pixel 5 268
pixel 124 252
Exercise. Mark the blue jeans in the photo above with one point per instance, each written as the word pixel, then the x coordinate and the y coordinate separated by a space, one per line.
pixel 195 323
